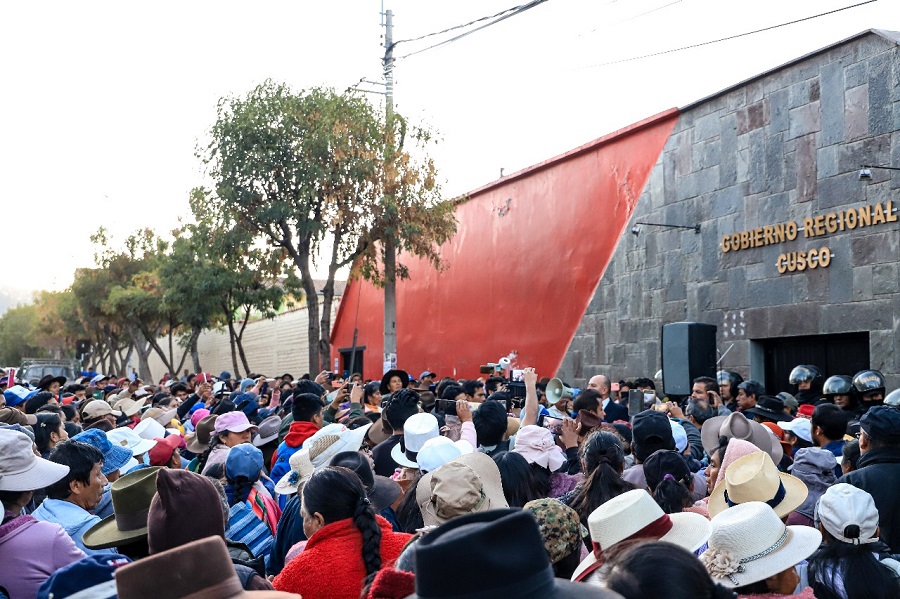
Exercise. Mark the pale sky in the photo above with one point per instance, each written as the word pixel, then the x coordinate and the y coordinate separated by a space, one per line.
pixel 104 103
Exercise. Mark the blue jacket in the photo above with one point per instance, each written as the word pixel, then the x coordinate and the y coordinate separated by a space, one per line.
pixel 74 520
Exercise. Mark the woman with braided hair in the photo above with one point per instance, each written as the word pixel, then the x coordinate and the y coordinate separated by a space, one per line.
pixel 348 543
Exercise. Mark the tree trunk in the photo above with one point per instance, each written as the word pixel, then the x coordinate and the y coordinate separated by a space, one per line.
pixel 240 341
pixel 143 350
pixel 231 340
pixel 324 343
pixel 195 353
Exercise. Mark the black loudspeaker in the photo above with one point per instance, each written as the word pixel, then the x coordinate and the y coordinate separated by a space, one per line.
pixel 688 351
pixel 82 347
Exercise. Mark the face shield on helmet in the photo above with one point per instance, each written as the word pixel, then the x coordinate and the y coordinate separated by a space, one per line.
pixel 803 374
pixel 839 384
pixel 868 382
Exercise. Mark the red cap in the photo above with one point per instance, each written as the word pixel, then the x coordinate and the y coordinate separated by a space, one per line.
pixel 161 453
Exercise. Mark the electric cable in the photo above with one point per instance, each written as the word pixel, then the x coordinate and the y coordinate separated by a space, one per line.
pixel 724 39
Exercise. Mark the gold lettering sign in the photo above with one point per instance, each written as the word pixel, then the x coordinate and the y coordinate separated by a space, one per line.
pixel 817 226
pixel 803 260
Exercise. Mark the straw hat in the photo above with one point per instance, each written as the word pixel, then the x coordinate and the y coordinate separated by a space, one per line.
pixel 20 469
pixel 754 477
pixel 330 440
pixel 749 543
pixel 636 515
pixel 469 484
pixel 301 469
pixel 737 426
pixel 131 497
pixel 418 429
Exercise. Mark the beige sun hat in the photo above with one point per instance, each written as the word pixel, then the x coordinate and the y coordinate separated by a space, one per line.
pixel 738 426
pixel 129 406
pixel 301 470
pixel 749 543
pixel 636 515
pixel 754 477
pixel 465 485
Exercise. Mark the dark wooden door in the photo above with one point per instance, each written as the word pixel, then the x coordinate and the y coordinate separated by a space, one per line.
pixel 846 353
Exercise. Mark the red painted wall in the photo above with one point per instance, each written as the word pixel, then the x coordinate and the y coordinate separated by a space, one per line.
pixel 527 257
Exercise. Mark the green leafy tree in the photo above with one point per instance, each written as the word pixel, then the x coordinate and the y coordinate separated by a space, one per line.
pixel 320 174
pixel 18 335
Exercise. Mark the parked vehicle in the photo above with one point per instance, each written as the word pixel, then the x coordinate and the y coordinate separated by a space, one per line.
pixel 33 369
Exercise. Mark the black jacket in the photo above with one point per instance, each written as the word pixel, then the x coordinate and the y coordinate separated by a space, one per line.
pixel 615 412
pixel 878 473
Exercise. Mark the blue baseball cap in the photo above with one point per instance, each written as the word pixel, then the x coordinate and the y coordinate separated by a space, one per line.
pixel 16 395
pixel 92 576
pixel 114 456
pixel 244 460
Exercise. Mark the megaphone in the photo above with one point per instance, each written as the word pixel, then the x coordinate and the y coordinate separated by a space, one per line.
pixel 556 390
pixel 504 363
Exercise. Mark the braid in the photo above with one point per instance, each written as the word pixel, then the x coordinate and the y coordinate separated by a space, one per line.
pixel 242 488
pixel 364 519
pixel 201 461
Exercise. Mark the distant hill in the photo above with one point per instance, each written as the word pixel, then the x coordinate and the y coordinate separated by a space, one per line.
pixel 11 297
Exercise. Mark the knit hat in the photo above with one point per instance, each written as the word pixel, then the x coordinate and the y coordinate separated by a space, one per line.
pixel 749 543
pixel 114 456
pixel 536 444
pixel 131 497
pixel 20 469
pixel 755 478
pixel 806 410
pixel 92 576
pixel 848 514
pixel 560 527
pixel 171 523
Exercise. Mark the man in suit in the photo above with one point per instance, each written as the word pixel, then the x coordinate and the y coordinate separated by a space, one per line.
pixel 600 384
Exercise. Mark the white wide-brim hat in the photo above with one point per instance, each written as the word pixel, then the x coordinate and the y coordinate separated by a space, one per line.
pixel 331 440
pixel 150 429
pixel 754 477
pixel 749 543
pixel 636 515
pixel 418 429
pixel 301 470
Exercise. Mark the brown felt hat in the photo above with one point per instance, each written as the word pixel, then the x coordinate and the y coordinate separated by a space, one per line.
pixel 171 523
pixel 202 437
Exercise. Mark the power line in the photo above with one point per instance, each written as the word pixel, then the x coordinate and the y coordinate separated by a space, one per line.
pixel 454 28
pixel 637 16
pixel 724 39
pixel 504 15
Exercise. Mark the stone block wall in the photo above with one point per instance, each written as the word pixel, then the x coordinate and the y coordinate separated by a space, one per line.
pixel 784 146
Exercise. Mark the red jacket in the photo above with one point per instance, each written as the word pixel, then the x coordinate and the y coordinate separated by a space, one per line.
pixel 331 565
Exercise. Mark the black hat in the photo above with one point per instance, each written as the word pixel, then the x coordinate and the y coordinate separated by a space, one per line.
pixel 49 379
pixel 651 432
pixel 404 377
pixel 488 539
pixel 665 462
pixel 882 423
pixel 770 408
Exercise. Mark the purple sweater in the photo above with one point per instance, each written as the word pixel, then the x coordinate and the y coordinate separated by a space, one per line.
pixel 30 551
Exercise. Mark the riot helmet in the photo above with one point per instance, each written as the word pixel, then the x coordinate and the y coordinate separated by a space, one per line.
pixel 869 383
pixel 893 398
pixel 839 384
pixel 728 382
pixel 804 373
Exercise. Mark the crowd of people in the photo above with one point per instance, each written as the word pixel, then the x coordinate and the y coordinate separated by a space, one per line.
pixel 325 488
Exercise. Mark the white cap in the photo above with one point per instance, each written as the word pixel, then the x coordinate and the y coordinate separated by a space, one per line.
pixel 438 451
pixel 800 427
pixel 848 514
pixel 680 435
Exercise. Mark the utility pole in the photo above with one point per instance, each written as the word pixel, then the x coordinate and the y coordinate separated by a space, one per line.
pixel 390 248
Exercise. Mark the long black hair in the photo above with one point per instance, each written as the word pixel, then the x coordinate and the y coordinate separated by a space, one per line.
pixel 409 514
pixel 670 480
pixel 603 459
pixel 337 493
pixel 658 569
pixel 46 423
pixel 203 457
pixel 854 568
pixel 519 482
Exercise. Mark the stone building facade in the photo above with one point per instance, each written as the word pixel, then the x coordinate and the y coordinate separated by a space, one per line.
pixel 784 147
